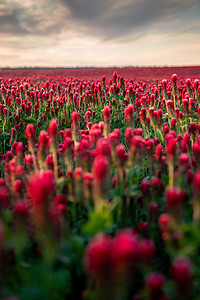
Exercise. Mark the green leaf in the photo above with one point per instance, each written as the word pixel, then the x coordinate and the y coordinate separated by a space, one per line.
pixel 4 136
pixel 98 221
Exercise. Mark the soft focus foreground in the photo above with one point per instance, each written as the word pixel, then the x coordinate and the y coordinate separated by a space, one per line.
pixel 99 187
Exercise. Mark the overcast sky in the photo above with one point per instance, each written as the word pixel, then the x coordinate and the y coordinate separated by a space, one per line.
pixel 99 32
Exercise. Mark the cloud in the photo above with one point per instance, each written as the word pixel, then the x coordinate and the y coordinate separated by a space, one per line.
pixel 161 50
pixel 104 19
pixel 115 19
pixel 98 32
pixel 33 18
pixel 10 20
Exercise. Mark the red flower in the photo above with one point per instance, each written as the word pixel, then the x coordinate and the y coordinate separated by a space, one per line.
pixel 49 161
pixel 60 199
pixel 67 143
pixel 28 160
pixel 19 148
pixel 4 197
pixel 145 186
pixel 125 250
pixel 157 185
pixel 138 131
pixel 17 186
pixel 184 159
pixel 188 82
pixel 155 282
pixel 106 112
pixel 43 139
pixel 30 132
pixel 182 271
pixel 163 221
pixel 164 83
pixel 171 147
pixel 20 209
pixel 103 147
pixel 146 250
pixel 78 172
pixel 97 254
pixel 174 78
pixel 75 116
pixel 158 152
pixel 100 168
pixel 53 128
pixel 153 208
pixel 121 154
pixel 67 133
pixel 40 188
pixel 129 111
pixel 173 200
pixel 173 122
pixel 196 182
pixel 128 134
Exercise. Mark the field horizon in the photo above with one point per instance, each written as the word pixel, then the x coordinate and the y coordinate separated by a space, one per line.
pixel 95 73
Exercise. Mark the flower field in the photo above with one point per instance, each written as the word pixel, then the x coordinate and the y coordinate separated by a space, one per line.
pixel 100 184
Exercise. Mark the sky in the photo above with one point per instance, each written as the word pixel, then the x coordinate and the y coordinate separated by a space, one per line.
pixel 101 33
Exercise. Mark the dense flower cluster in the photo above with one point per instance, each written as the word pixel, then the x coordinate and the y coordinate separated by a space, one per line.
pixel 99 188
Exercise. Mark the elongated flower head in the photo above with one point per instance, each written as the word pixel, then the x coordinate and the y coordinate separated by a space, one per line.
pixel 97 255
pixel 125 250
pixel 154 283
pixel 43 139
pixel 30 132
pixel 53 128
pixel 106 112
pixel 40 188
pixel 182 272
pixel 100 168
